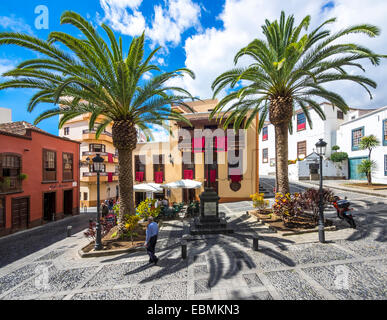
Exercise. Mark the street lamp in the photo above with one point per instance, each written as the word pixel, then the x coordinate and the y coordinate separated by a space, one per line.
pixel 321 147
pixel 97 163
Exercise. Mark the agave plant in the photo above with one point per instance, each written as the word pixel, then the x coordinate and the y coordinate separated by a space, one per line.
pixel 97 78
pixel 289 69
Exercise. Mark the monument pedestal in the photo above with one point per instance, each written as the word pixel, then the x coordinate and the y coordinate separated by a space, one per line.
pixel 209 221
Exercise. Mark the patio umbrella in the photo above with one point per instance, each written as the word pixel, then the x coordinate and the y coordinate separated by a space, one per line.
pixel 183 184
pixel 147 187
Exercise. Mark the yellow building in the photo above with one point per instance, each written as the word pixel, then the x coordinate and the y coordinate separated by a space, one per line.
pixel 184 158
pixel 78 129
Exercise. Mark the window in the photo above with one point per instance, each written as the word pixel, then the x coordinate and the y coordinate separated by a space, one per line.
pixel 265 155
pixel 301 150
pixel 385 165
pixel 10 170
pixel 357 134
pixel 340 115
pixel 158 168
pixel 385 132
pixel 235 165
pixel 91 168
pixel 188 166
pixel 301 122
pixel 139 167
pixel 97 148
pixel 265 134
pixel 85 196
pixel 2 213
pixel 49 165
pixel 68 166
pixel 66 131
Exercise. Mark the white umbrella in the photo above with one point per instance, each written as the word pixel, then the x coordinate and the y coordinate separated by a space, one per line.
pixel 147 187
pixel 183 184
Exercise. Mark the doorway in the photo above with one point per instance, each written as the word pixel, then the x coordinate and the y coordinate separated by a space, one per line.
pixel 68 202
pixel 140 197
pixel 20 213
pixel 49 206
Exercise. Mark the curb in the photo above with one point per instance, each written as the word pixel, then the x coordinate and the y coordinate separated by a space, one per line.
pixel 291 233
pixel 94 254
pixel 103 253
pixel 367 192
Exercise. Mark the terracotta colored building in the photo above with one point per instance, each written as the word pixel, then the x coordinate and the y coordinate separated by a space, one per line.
pixel 39 177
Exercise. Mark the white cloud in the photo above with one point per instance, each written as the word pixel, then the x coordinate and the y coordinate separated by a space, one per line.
pixel 159 133
pixel 124 16
pixel 14 24
pixel 169 23
pixel 211 52
pixel 166 27
pixel 6 65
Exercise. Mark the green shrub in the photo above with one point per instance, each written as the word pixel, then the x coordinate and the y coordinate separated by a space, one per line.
pixel 339 156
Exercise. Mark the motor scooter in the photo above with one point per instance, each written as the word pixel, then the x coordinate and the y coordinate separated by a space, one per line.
pixel 344 212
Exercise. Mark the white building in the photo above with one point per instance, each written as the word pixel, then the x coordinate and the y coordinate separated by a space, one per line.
pixel 349 135
pixel 303 140
pixel 5 115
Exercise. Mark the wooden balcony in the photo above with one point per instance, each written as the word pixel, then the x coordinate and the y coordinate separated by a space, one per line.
pixel 92 177
pixel 104 155
pixel 90 135
pixel 10 185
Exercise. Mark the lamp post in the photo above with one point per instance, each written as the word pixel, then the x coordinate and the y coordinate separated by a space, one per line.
pixel 321 146
pixel 97 163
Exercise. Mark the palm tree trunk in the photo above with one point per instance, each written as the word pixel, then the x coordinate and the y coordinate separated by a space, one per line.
pixel 126 186
pixel 281 132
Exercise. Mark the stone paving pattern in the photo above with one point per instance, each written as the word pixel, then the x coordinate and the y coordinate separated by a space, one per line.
pixel 219 267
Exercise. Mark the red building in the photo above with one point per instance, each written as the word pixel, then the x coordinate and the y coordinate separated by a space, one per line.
pixel 39 177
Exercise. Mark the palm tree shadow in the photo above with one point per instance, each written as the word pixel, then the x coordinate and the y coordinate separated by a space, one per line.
pixel 220 250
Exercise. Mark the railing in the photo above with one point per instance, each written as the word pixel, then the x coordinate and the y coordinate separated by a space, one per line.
pixel 107 133
pixel 10 184
pixel 93 153
pixel 102 174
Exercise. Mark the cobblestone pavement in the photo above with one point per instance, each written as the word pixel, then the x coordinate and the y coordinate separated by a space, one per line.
pixel 352 265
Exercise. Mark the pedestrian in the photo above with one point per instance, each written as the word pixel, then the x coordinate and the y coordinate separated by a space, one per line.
pixel 104 209
pixel 152 232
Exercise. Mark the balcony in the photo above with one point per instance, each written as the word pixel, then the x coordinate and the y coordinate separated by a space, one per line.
pixel 90 135
pixel 10 185
pixel 104 155
pixel 104 177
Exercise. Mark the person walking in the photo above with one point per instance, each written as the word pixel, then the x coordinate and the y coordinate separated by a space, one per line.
pixel 152 232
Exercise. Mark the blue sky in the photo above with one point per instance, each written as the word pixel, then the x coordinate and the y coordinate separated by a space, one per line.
pixel 202 35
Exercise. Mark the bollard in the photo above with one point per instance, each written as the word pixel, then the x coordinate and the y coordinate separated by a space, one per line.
pixel 255 243
pixel 69 228
pixel 184 249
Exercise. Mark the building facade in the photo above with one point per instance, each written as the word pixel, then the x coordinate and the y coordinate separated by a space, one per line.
pixel 39 177
pixel 349 135
pixel 78 129
pixel 195 152
pixel 342 130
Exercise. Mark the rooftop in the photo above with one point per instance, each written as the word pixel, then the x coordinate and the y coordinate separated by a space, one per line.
pixel 19 127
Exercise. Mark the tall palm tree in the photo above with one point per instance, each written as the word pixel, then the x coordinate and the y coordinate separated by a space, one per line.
pixel 289 70
pixel 101 80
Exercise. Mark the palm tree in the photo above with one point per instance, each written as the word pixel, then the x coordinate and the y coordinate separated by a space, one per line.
pixel 366 167
pixel 288 71
pixel 369 142
pixel 100 80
